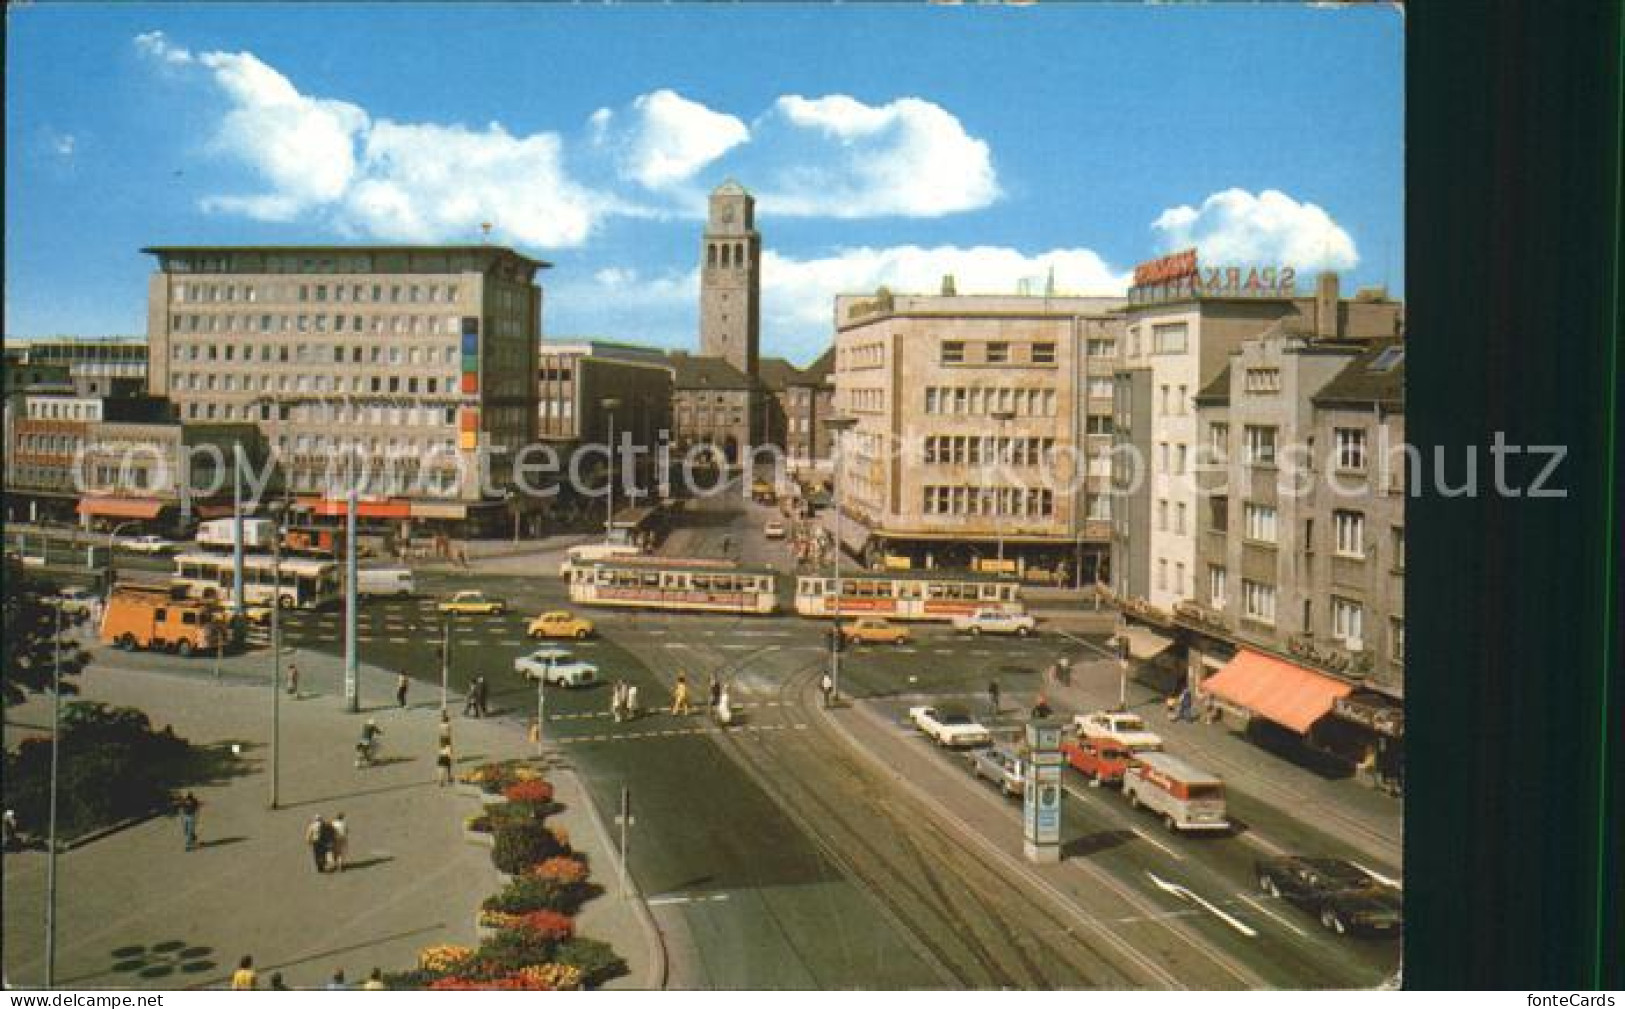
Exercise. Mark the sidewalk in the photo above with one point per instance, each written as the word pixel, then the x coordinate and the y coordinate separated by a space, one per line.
pixel 136 910
pixel 1341 807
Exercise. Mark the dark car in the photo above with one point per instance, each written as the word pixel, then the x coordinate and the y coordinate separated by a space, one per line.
pixel 1345 897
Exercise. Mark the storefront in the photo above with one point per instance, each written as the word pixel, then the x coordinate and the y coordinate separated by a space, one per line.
pixel 1380 723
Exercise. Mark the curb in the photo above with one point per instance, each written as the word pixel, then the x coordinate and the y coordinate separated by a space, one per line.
pixel 654 939
pixel 109 830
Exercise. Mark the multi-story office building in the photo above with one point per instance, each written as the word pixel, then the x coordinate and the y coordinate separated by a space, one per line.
pixel 416 363
pixel 809 401
pixel 1181 324
pixel 48 435
pixel 161 473
pixel 587 389
pixel 1299 617
pixel 983 424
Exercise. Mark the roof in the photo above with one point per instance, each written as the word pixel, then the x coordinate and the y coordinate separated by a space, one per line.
pixel 819 371
pixel 1375 377
pixel 730 188
pixel 1173 767
pixel 162 250
pixel 692 372
pixel 1216 392
pixel 776 373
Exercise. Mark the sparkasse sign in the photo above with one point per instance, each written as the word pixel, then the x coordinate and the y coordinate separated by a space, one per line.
pixel 1179 276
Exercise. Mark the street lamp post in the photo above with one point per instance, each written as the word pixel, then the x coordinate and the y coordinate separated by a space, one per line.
pixel 111 535
pixel 56 747
pixel 1003 417
pixel 276 661
pixel 610 405
pixel 838 426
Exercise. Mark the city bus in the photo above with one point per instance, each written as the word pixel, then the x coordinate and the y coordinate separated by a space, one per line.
pixel 702 586
pixel 906 595
pixel 305 584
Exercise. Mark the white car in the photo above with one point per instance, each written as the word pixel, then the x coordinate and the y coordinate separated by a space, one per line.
pixel 774 530
pixel 556 667
pixel 949 725
pixel 149 545
pixel 1121 726
pixel 996 622
pixel 73 600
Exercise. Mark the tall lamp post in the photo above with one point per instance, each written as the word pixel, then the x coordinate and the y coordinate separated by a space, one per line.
pixel 1004 417
pixel 610 405
pixel 56 746
pixel 111 536
pixel 837 426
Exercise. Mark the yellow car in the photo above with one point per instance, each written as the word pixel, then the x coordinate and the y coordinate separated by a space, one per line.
pixel 874 631
pixel 473 603
pixel 560 624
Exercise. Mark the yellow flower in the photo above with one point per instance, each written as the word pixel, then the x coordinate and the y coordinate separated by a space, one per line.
pixel 442 959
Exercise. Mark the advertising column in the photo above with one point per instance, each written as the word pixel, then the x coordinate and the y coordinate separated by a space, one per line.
pixel 1041 798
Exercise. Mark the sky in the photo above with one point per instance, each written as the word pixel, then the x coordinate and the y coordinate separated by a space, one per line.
pixel 885 144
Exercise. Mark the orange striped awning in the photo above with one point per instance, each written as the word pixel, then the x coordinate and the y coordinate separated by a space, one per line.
pixel 1280 691
pixel 121 507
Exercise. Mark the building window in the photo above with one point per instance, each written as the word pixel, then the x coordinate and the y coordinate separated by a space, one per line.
pixel 1259 521
pixel 1262 380
pixel 1396 544
pixel 1162 575
pixel 1101 348
pixel 1350 533
pixel 1044 353
pixel 1168 339
pixel 1348 617
pixel 998 353
pixel 1179 519
pixel 1218 441
pixel 1217 577
pixel 1258 601
pixel 953 352
pixel 1098 424
pixel 1218 514
pixel 1260 446
pixel 1162 516
pixel 1396 640
pixel 1350 447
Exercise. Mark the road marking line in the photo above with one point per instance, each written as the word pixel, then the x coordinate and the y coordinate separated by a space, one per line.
pixel 1252 837
pixel 400 641
pixel 1148 839
pixel 1186 893
pixel 1264 910
pixel 1379 877
pixel 695 898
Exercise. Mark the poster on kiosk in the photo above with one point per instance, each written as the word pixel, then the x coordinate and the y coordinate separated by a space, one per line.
pixel 1041 799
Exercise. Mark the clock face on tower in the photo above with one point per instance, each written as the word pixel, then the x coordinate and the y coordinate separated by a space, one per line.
pixel 725 213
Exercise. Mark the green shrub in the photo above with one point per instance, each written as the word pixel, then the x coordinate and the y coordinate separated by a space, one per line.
pixel 596 960
pixel 518 846
pixel 529 893
pixel 510 950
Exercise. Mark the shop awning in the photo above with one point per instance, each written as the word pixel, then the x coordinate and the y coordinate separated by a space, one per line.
pixel 1278 690
pixel 213 511
pixel 121 507
pixel 437 510
pixel 339 507
pixel 1144 643
pixel 1373 711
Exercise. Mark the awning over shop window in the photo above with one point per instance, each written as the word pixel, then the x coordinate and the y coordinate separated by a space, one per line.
pixel 436 510
pixel 338 508
pixel 213 511
pixel 1144 643
pixel 1373 711
pixel 1278 690
pixel 121 507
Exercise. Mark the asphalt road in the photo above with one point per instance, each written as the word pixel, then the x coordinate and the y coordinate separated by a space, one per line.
pixel 776 855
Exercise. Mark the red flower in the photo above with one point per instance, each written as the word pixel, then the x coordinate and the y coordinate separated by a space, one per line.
pixel 529 791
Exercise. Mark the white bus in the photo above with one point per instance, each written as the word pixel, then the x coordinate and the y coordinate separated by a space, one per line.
pixel 684 585
pixel 913 595
pixel 304 583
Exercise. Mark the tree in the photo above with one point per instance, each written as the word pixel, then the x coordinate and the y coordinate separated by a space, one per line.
pixel 30 640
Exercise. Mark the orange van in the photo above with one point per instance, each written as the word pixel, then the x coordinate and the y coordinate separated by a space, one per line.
pixel 139 617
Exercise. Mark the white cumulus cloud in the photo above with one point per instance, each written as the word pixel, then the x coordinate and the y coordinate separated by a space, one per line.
pixel 846 159
pixel 663 139
pixel 1235 226
pixel 157 45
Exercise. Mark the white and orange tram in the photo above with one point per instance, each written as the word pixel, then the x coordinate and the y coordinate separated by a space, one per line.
pixel 921 595
pixel 701 586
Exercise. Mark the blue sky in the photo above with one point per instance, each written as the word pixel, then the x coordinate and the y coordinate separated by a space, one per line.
pixel 885 144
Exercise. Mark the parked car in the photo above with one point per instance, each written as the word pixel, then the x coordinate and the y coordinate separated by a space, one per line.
pixel 874 631
pixel 556 667
pixel 1342 895
pixel 473 601
pixel 73 599
pixel 949 725
pixel 1003 766
pixel 560 624
pixel 149 545
pixel 774 530
pixel 996 622
pixel 1100 760
pixel 1122 727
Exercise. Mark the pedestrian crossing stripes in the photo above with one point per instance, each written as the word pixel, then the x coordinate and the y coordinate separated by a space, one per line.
pixel 584 715
pixel 616 737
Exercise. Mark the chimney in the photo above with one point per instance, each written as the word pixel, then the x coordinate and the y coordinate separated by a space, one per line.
pixel 948 288
pixel 1326 326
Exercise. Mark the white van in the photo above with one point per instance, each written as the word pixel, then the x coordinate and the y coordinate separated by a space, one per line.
pixel 384 582
pixel 589 552
pixel 1185 797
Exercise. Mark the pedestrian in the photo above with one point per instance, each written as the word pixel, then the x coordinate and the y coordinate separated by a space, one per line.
pixel 716 693
pixel 442 762
pixel 327 837
pixel 826 684
pixel 244 977
pixel 375 981
pixel 337 983
pixel 293 679
pixel 316 837
pixel 366 747
pixel 445 728
pixel 1170 706
pixel 401 683
pixel 533 732
pixel 724 710
pixel 471 701
pixel 679 696
pixel 13 838
pixel 341 842
pixel 993 696
pixel 631 701
pixel 482 696
pixel 189 807
pixel 277 984
pixel 1065 664
pixel 1041 708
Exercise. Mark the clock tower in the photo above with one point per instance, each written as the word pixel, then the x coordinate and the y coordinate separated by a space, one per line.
pixel 731 279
